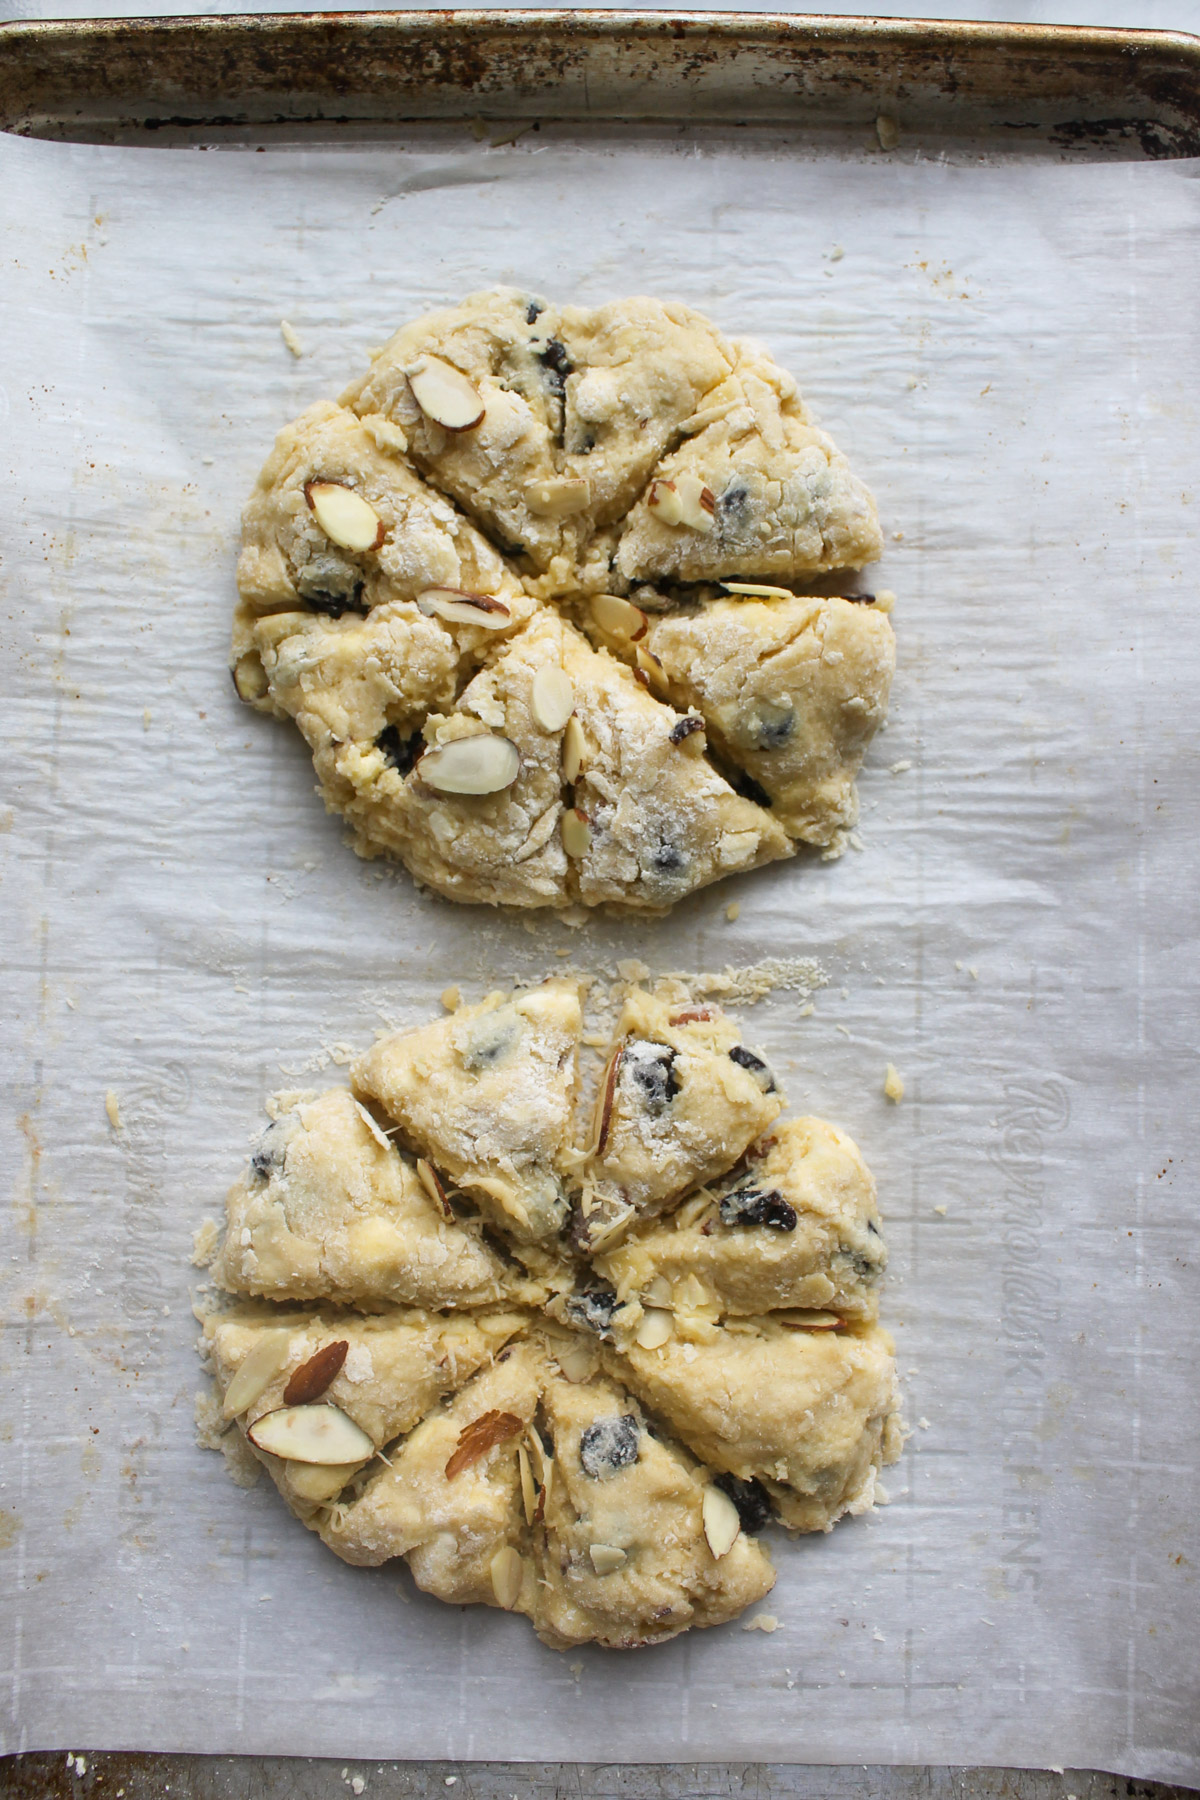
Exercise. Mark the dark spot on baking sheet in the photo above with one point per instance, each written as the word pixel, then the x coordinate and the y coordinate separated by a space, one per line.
pixel 751 1498
pixel 746 1059
pixel 754 1206
pixel 609 1445
pixel 648 1070
pixel 400 750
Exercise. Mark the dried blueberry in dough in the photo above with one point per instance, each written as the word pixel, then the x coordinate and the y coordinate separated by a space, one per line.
pixel 751 1206
pixel 609 1444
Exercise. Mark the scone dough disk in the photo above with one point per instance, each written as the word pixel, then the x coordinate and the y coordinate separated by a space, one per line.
pixel 548 578
pixel 566 1353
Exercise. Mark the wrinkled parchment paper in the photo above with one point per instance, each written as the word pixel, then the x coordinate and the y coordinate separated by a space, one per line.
pixel 1009 355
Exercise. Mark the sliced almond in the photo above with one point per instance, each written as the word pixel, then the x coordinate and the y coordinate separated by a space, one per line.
pixel 318 1482
pixel 444 394
pixel 508 1572
pixel 619 618
pixel 606 1558
pixel 529 1492
pixel 344 516
pixel 256 1371
pixel 663 501
pixel 811 1321
pixel 553 698
pixel 721 1522
pixel 313 1434
pixel 249 677
pixel 373 1126
pixel 574 748
pixel 480 1436
pixel 651 669
pixel 474 765
pixel 427 1176
pixel 559 497
pixel 758 589
pixel 659 1291
pixel 460 607
pixel 535 1452
pixel 697 502
pixel 576 833
pixel 309 1381
pixel 655 1329
pixel 607 1095
pixel 576 1359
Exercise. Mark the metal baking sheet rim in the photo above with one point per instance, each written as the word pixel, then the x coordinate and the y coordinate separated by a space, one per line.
pixel 1129 92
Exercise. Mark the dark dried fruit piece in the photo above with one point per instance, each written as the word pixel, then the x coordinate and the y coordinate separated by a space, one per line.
pixel 684 728
pixel 746 1059
pixel 309 1381
pixel 592 1309
pixel 648 1071
pixel 609 1446
pixel 751 1498
pixel 751 1206
pixel 668 859
pixel 480 1436
pixel 271 1148
pixel 557 364
pixel 734 506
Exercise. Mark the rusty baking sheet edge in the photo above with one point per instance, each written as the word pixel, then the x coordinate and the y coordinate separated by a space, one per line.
pixel 1132 92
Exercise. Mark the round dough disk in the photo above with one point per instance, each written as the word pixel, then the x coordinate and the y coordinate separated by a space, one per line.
pixel 516 527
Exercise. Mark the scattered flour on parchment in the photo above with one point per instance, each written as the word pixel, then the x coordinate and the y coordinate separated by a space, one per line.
pixel 787 974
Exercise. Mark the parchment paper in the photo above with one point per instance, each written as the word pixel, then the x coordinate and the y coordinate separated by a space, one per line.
pixel 1009 356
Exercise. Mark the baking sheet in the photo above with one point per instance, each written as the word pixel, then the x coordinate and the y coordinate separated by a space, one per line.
pixel 1007 354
